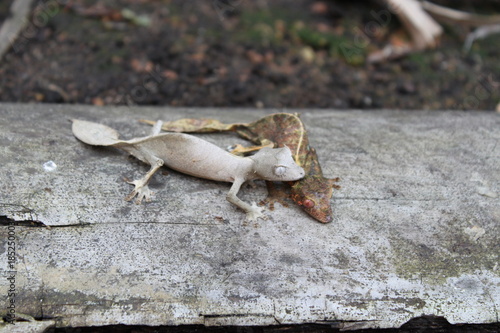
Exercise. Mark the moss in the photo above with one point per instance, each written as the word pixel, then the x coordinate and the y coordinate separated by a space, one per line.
pixel 456 255
pixel 263 27
pixel 270 16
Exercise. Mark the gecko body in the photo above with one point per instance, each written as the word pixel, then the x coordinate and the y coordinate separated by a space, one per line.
pixel 196 157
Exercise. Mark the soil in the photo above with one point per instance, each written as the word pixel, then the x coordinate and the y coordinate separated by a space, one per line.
pixel 282 54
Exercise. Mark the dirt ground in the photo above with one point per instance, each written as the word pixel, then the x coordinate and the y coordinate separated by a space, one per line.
pixel 284 54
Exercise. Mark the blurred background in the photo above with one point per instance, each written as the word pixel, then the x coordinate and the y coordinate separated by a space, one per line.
pixel 280 54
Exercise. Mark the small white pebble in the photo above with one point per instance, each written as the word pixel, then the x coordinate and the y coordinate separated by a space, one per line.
pixel 485 191
pixel 367 101
pixel 49 166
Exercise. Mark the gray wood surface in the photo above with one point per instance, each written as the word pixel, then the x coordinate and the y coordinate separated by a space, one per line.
pixel 416 226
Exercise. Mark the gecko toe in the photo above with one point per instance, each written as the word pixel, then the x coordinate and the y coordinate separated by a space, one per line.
pixel 255 213
pixel 142 193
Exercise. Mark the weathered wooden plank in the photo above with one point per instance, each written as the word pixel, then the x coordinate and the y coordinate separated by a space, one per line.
pixel 416 227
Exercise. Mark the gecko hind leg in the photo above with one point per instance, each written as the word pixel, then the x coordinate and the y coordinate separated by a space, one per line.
pixel 141 189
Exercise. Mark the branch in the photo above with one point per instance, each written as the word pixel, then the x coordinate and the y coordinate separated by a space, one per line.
pixel 423 29
pixel 19 11
pixel 457 16
pixel 480 33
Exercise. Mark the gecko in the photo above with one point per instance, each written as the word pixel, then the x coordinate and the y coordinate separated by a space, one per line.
pixel 313 192
pixel 191 155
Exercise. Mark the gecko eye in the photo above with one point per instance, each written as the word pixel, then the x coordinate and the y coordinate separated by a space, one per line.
pixel 308 203
pixel 279 170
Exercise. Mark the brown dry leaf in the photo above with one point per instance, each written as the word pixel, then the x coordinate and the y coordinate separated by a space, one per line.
pixel 116 59
pixel 194 125
pixel 221 71
pixel 169 74
pixel 62 37
pixel 286 68
pixel 399 38
pixel 98 101
pixel 141 65
pixel 207 80
pixel 255 57
pixel 322 27
pixel 319 7
pixel 39 97
pixel 269 56
pixel 97 10
pixel 198 57
pixel 243 76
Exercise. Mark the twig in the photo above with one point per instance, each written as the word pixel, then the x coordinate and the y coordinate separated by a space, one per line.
pixel 488 24
pixel 480 33
pixel 423 29
pixel 457 16
pixel 18 19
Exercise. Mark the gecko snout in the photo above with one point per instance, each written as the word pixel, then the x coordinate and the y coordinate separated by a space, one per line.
pixel 295 173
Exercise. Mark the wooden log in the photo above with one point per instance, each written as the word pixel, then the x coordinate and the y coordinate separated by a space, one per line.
pixel 415 231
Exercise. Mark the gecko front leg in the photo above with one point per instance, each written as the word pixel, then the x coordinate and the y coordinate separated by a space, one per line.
pixel 253 211
pixel 141 188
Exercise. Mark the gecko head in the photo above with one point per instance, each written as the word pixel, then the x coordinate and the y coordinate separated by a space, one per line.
pixel 313 194
pixel 276 164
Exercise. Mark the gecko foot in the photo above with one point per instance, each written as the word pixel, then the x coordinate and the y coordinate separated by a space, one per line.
pixel 141 190
pixel 255 213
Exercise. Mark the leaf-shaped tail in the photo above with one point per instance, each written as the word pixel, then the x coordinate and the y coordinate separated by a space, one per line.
pixel 94 134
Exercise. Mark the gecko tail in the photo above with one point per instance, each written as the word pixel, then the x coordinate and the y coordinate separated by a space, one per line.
pixel 94 134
